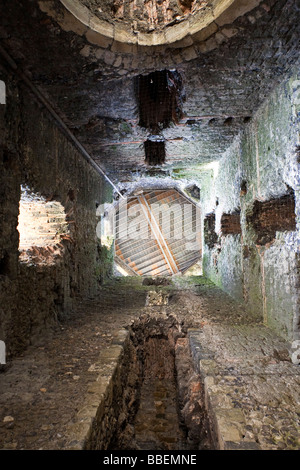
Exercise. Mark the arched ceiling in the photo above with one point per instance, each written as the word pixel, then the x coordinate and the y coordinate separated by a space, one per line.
pixel 146 22
pixel 228 68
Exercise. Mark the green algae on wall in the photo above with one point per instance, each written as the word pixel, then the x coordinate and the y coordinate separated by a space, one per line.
pixel 281 270
pixel 262 164
pixel 105 262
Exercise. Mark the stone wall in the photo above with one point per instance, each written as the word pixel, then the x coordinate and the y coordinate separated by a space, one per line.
pixel 35 152
pixel 258 178
pixel 227 69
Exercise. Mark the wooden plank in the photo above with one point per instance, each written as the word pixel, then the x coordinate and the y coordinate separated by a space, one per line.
pixel 158 235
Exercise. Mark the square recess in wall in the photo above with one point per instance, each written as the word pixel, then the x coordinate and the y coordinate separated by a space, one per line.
pixel 155 152
pixel 160 95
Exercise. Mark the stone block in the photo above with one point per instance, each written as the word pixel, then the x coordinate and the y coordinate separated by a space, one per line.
pixel 205 33
pixel 124 36
pixel 109 57
pixel 238 8
pixel 120 337
pixel 230 425
pixel 123 48
pixel 189 53
pixel 98 39
pixel 229 32
pixel 157 298
pixel 185 42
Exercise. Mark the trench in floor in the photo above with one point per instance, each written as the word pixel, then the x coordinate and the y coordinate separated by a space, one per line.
pixel 167 411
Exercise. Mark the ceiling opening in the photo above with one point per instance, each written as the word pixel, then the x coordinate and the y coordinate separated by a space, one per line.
pixel 155 152
pixel 157 233
pixel 160 96
pixel 143 22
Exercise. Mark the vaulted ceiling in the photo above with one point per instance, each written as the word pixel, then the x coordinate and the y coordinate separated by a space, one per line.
pixel 86 58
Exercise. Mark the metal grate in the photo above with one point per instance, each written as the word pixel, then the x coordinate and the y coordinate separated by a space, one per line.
pixel 157 233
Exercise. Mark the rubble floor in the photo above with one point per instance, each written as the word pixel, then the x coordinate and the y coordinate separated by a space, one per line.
pixel 250 372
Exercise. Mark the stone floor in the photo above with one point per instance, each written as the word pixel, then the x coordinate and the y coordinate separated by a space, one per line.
pixel 252 388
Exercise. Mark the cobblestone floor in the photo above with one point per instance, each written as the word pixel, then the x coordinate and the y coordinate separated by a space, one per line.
pixel 254 387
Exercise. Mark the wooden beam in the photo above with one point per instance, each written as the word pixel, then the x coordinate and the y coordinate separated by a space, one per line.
pixel 158 235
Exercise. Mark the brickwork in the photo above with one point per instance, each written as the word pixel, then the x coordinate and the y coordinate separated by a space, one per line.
pixel 269 217
pixel 36 153
pixel 230 224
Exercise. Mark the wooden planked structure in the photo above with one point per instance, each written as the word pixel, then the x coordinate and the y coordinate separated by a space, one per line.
pixel 157 233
